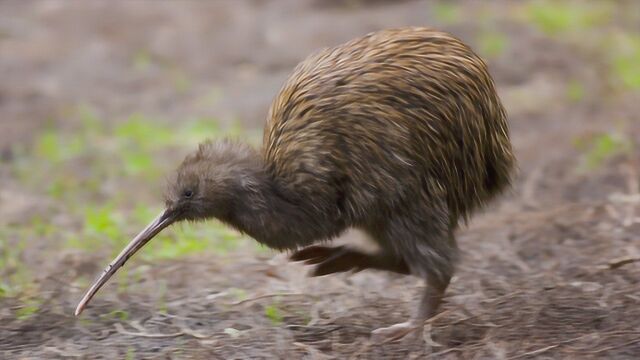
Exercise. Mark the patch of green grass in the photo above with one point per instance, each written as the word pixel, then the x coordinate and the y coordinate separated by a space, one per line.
pixel 85 321
pixel 197 129
pixel 187 239
pixel 88 167
pixel 54 151
pixel 446 13
pixel 15 275
pixel 557 17
pixel 106 227
pixel 191 239
pixel 138 162
pixel 138 137
pixel 121 315
pixel 40 227
pixel 53 148
pixel 142 214
pixel 131 353
pixel 4 290
pixel 141 60
pixel 602 148
pixel 181 82
pixel 102 226
pixel 103 221
pixel 48 146
pixel 143 132
pixel 575 90
pixel 82 164
pixel 273 313
pixel 128 149
pixel 58 187
pixel 173 248
pixel 17 283
pixel 56 147
pixel 92 125
pixel 492 44
pixel 28 309
pixel 626 60
pixel 238 294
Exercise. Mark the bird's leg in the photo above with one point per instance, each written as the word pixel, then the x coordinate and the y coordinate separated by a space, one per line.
pixel 424 239
pixel 427 308
pixel 340 258
pixel 432 298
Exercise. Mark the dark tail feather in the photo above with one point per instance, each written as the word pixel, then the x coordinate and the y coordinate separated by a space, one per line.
pixel 499 175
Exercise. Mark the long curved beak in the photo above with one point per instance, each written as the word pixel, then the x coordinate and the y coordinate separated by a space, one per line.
pixel 163 220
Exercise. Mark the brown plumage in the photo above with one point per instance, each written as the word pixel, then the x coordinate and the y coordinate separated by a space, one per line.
pixel 399 133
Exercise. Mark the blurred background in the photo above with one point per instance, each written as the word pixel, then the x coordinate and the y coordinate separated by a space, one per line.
pixel 99 101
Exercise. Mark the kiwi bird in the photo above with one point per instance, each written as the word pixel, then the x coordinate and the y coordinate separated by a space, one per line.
pixel 399 133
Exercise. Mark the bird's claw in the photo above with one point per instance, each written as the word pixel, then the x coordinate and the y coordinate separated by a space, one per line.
pixel 394 332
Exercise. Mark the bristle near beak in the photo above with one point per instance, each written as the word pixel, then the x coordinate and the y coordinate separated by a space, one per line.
pixel 163 220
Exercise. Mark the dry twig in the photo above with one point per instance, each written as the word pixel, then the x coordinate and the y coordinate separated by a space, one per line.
pixel 265 296
pixel 614 264
pixel 122 331
pixel 546 348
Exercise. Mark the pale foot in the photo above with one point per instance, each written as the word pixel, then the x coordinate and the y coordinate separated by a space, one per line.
pixel 395 332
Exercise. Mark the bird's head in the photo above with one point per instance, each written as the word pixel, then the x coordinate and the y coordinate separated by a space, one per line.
pixel 204 186
pixel 208 181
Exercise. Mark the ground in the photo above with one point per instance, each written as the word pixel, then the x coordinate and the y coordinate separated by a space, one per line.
pixel 99 101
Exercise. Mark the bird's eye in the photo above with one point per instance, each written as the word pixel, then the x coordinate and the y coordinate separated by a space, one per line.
pixel 187 194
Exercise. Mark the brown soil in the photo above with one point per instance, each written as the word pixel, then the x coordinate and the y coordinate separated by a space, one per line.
pixel 552 270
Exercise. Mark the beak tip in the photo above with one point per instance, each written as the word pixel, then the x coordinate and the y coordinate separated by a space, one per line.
pixel 159 223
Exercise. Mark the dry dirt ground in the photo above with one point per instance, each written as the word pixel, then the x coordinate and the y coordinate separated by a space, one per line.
pixel 551 270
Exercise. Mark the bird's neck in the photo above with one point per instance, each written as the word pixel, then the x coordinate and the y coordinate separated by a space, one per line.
pixel 270 213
